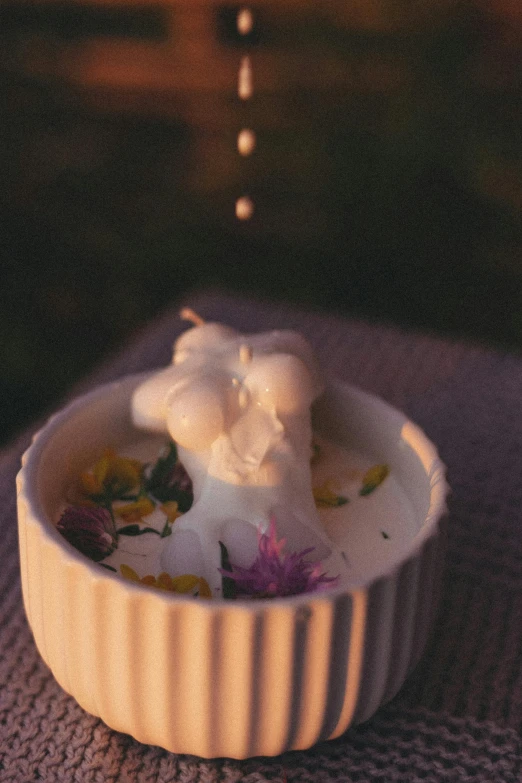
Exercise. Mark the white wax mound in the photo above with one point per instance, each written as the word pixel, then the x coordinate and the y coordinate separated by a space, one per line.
pixel 238 406
pixel 196 416
pixel 205 338
pixel 202 342
pixel 281 382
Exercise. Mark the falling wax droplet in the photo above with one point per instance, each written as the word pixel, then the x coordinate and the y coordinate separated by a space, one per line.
pixel 245 87
pixel 245 354
pixel 244 208
pixel 246 142
pixel 245 21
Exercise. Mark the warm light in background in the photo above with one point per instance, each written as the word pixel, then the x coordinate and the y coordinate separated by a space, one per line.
pixel 245 86
pixel 245 21
pixel 246 142
pixel 244 208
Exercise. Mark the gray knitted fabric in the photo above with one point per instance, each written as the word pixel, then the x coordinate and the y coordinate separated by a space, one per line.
pixel 458 717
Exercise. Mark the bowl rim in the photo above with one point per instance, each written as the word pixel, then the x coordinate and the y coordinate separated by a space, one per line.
pixel 27 491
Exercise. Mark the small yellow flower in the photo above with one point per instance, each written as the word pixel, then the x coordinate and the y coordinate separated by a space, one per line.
pixel 171 509
pixel 325 497
pixel 186 584
pixel 112 475
pixel 134 512
pixel 129 573
pixel 373 478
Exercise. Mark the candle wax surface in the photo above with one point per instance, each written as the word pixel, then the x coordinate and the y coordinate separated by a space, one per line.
pixel 371 530
pixel 238 407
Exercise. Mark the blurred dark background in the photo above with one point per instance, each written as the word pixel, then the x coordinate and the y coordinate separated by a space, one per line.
pixel 386 178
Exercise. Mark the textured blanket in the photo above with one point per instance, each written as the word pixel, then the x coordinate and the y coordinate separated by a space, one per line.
pixel 458 716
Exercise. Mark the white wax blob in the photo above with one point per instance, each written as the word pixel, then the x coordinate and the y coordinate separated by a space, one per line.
pixel 238 406
pixel 196 416
pixel 281 382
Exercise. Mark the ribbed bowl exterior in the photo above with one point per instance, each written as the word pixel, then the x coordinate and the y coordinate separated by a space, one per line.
pixel 218 678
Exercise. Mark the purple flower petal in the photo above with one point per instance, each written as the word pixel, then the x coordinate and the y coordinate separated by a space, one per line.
pixel 275 574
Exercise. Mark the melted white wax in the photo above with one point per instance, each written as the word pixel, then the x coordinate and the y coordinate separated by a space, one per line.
pixel 239 408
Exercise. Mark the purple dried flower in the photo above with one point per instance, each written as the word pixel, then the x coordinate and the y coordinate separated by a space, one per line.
pixel 275 574
pixel 90 530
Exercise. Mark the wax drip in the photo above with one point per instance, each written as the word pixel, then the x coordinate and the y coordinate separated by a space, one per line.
pixel 246 140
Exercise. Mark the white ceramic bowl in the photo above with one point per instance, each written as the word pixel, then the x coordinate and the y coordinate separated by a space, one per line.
pixel 226 678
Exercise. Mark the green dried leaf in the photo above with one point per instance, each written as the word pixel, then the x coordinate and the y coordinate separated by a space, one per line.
pixel 325 497
pixel 167 529
pixel 136 530
pixel 331 502
pixel 108 567
pixel 162 470
pixel 228 585
pixel 340 501
pixel 160 483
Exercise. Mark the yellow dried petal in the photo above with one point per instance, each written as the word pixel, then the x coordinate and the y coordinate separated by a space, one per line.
pixel 140 508
pixel 89 485
pixel 129 573
pixel 171 509
pixel 373 478
pixel 114 473
pixel 165 581
pixel 325 497
pixel 111 475
pixel 204 589
pixel 122 473
pixel 185 583
pixel 101 467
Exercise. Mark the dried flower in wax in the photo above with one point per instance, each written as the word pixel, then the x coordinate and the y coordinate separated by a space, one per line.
pixel 373 478
pixel 186 584
pixel 112 478
pixel 325 497
pixel 90 530
pixel 275 573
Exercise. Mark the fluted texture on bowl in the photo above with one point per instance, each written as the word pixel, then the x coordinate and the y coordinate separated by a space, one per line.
pixel 217 678
pixel 227 680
